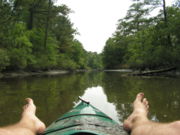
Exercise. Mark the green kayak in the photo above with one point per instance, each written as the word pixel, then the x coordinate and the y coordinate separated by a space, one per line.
pixel 84 119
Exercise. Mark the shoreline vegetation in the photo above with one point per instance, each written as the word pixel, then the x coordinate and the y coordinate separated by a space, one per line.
pixel 172 71
pixel 142 41
pixel 26 74
pixel 39 36
pixel 55 72
pixel 168 72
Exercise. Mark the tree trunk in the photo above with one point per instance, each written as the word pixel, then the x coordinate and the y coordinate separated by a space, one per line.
pixel 47 24
pixel 165 12
pixel 166 23
pixel 31 19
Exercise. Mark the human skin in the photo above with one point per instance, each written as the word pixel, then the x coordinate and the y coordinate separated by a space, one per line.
pixel 139 124
pixel 29 124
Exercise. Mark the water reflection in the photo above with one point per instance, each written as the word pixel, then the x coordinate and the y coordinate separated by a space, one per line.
pixel 97 97
pixel 110 92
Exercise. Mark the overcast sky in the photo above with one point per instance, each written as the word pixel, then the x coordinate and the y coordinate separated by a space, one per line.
pixel 96 20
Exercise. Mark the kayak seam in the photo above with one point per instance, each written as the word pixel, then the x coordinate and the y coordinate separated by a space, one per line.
pixel 82 115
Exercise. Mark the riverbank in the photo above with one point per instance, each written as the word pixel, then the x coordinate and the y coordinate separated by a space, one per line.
pixel 125 72
pixel 13 74
pixel 159 72
pixel 163 71
pixel 39 73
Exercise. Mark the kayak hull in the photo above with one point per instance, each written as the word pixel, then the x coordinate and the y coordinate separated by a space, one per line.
pixel 84 119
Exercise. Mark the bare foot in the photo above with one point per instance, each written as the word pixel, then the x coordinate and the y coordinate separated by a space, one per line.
pixel 140 109
pixel 29 111
pixel 29 107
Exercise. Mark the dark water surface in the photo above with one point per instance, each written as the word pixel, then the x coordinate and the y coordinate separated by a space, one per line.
pixel 110 92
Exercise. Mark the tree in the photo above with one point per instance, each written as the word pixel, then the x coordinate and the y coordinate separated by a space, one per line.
pixel 62 29
pixel 114 52
pixel 94 60
pixel 135 20
pixel 4 59
pixel 20 48
pixel 38 35
pixel 145 42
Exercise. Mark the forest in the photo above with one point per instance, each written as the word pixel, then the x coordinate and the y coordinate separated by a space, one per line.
pixel 39 35
pixel 145 40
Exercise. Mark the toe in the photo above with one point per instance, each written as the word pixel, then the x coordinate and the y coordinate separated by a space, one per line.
pixel 147 106
pixel 30 106
pixel 145 102
pixel 140 96
pixel 29 100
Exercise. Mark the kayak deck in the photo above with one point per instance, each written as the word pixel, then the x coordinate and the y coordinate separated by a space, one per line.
pixel 85 119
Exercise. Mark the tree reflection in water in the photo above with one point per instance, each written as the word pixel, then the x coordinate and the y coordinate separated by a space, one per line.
pixel 98 98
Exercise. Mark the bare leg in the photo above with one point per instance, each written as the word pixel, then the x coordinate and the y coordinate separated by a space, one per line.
pixel 29 123
pixel 140 111
pixel 139 124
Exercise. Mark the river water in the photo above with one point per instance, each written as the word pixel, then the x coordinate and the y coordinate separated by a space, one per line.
pixel 111 92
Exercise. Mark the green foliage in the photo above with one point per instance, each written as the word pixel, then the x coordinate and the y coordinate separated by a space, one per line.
pixel 78 54
pixel 43 57
pixel 66 63
pixel 111 54
pixel 63 31
pixel 4 59
pixel 94 61
pixel 38 35
pixel 20 48
pixel 114 51
pixel 142 42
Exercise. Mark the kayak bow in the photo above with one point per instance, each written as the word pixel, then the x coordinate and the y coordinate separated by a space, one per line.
pixel 84 119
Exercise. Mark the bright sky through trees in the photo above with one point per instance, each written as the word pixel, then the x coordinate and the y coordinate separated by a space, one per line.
pixel 96 20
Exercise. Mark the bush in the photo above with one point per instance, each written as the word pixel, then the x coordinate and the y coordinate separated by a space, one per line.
pixel 20 48
pixel 45 57
pixel 64 62
pixel 4 59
